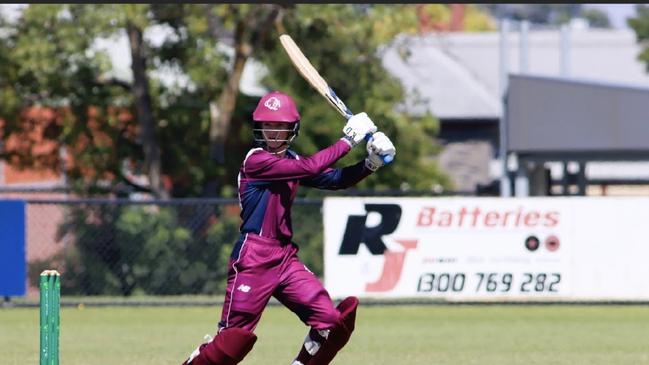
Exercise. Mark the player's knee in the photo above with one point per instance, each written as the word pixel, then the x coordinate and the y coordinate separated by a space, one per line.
pixel 343 316
pixel 246 320
pixel 321 346
pixel 329 320
pixel 347 310
pixel 229 347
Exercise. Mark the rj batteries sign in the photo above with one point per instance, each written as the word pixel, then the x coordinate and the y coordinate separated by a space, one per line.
pixel 487 248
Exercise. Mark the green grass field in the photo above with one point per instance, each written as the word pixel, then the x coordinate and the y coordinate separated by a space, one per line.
pixel 390 335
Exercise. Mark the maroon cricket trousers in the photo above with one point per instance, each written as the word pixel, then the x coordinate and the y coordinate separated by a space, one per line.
pixel 260 268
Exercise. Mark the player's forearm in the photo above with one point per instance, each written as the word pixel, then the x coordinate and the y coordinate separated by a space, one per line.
pixel 264 166
pixel 321 160
pixel 351 175
pixel 336 179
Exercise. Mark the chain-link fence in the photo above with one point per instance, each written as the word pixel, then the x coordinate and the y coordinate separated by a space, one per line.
pixel 124 247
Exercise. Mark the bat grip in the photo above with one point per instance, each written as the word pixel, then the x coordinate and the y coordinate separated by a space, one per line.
pixel 368 137
pixel 386 158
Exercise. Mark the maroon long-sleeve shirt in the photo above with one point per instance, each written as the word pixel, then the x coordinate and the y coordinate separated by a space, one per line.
pixel 268 184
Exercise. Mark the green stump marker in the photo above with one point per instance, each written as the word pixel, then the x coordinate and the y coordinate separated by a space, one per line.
pixel 50 298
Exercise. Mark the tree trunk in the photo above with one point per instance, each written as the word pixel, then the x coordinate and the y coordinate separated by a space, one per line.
pixel 145 112
pixel 250 30
pixel 221 111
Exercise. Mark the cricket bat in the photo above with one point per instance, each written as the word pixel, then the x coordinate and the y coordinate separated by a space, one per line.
pixel 312 76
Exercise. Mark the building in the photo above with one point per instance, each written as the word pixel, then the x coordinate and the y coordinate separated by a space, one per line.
pixel 462 77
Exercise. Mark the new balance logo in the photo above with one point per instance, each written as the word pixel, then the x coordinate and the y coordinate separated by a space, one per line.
pixel 244 288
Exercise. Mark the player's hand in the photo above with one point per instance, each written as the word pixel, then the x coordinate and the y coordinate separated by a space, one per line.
pixel 357 127
pixel 379 146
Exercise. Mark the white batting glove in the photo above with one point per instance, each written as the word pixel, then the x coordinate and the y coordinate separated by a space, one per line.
pixel 380 145
pixel 357 127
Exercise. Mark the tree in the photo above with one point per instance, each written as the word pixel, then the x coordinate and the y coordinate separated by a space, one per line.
pixel 48 65
pixel 640 24
pixel 145 249
pixel 452 17
pixel 181 135
pixel 135 21
pixel 596 18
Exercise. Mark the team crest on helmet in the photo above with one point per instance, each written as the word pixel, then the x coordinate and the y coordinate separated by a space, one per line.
pixel 272 103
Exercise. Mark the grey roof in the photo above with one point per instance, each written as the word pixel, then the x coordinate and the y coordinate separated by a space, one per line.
pixel 449 89
pixel 459 73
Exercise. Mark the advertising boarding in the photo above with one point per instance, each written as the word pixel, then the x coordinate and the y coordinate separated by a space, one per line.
pixel 567 248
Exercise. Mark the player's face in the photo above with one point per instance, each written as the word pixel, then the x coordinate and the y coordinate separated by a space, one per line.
pixel 275 133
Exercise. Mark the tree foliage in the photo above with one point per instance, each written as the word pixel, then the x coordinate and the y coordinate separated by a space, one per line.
pixel 144 249
pixel 596 18
pixel 640 24
pixel 50 61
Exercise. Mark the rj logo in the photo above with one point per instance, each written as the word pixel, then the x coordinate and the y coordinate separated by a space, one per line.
pixel 357 233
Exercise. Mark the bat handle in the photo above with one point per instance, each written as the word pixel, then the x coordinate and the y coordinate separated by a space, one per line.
pixel 348 114
pixel 386 158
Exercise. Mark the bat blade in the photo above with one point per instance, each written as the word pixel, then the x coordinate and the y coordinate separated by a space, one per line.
pixel 312 76
pixel 309 73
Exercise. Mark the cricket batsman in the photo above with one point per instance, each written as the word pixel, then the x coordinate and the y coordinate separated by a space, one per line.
pixel 264 260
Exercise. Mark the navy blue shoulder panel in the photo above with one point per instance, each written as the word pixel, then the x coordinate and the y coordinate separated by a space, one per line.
pixel 254 200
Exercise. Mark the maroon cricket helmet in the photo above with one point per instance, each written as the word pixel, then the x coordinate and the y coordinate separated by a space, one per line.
pixel 276 107
pixel 279 108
